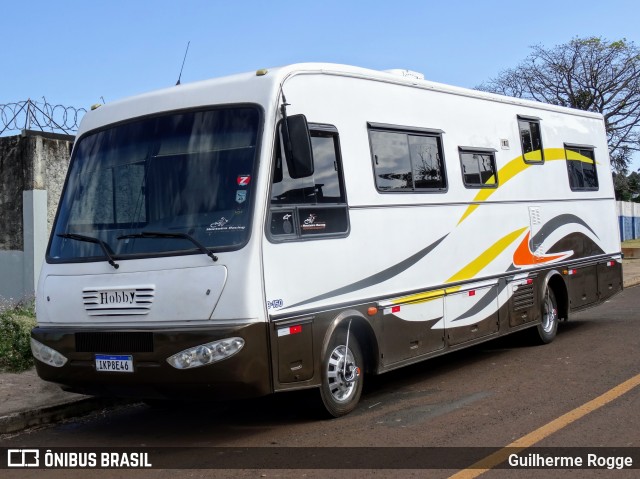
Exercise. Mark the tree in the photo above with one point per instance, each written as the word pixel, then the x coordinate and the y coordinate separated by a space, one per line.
pixel 589 74
pixel 627 188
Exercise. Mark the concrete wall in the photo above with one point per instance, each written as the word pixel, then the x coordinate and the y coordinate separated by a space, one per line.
pixel 33 167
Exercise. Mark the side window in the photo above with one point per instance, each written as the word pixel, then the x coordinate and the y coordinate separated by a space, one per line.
pixel 478 168
pixel 531 139
pixel 312 206
pixel 581 167
pixel 407 160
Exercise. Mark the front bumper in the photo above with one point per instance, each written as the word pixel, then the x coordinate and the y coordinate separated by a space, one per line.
pixel 246 374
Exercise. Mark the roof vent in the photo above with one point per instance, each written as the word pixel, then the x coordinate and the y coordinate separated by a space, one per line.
pixel 406 73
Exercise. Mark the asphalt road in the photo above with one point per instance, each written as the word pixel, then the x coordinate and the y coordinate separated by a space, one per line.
pixel 487 396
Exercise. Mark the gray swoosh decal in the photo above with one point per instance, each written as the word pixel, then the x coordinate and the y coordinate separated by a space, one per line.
pixel 487 299
pixel 376 278
pixel 555 223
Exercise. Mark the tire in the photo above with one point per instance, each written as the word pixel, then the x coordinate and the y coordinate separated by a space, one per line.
pixel 548 327
pixel 341 392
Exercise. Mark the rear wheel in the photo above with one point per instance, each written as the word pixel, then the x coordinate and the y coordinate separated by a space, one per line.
pixel 548 328
pixel 342 375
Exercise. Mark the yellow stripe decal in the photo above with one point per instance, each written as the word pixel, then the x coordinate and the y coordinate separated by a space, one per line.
pixel 478 264
pixel 468 272
pixel 575 156
pixel 508 171
pixel 419 297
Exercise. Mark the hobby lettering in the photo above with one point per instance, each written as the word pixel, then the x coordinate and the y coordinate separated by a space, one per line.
pixel 117 297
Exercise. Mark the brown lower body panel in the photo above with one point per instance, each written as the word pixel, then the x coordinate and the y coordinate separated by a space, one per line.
pixel 246 374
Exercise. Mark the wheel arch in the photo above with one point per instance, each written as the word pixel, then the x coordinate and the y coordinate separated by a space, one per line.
pixel 361 327
pixel 556 282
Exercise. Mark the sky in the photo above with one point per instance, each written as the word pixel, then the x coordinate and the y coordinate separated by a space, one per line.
pixel 78 53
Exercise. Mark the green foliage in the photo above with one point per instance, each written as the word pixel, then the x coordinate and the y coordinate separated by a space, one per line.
pixel 15 337
pixel 627 187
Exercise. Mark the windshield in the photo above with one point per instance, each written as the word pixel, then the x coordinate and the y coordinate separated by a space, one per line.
pixel 189 175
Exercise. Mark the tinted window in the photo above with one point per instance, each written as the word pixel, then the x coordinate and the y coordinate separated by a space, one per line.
pixel 324 186
pixel 407 161
pixel 186 172
pixel 312 206
pixel 531 140
pixel 581 167
pixel 478 169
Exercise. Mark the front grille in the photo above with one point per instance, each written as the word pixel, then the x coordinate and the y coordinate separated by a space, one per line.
pixel 114 342
pixel 118 302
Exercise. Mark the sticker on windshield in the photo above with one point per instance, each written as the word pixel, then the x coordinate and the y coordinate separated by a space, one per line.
pixel 241 196
pixel 222 225
pixel 244 180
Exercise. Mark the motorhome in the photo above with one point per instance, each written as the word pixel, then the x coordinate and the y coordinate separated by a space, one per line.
pixel 306 226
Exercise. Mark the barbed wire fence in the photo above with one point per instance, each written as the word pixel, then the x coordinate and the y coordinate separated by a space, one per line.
pixel 41 116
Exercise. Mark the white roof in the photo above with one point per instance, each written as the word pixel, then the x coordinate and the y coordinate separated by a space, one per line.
pixel 263 89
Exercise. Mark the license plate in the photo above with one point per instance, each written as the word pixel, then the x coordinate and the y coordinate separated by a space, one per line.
pixel 115 364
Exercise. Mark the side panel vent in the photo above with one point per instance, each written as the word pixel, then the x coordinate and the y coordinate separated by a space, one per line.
pixel 523 298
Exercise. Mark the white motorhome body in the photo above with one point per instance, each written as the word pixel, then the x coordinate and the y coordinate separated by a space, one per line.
pixel 191 252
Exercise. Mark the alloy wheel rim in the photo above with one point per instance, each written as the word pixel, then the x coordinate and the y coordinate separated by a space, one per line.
pixel 550 313
pixel 342 386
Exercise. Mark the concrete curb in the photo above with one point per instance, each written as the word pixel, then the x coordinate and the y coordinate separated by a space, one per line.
pixel 631 268
pixel 49 414
pixel 628 283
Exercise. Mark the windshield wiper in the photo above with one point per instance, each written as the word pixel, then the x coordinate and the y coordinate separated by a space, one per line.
pixel 162 234
pixel 89 239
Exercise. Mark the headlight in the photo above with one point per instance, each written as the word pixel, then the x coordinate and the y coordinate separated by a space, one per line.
pixel 47 355
pixel 206 353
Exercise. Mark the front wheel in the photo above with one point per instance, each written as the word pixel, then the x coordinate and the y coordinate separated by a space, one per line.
pixel 342 374
pixel 548 328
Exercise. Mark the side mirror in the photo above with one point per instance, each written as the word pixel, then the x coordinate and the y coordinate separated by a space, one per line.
pixel 297 146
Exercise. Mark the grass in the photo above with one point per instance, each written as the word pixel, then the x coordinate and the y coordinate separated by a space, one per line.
pixel 16 323
pixel 631 243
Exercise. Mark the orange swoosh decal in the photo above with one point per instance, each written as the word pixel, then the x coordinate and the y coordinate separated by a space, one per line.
pixel 524 257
